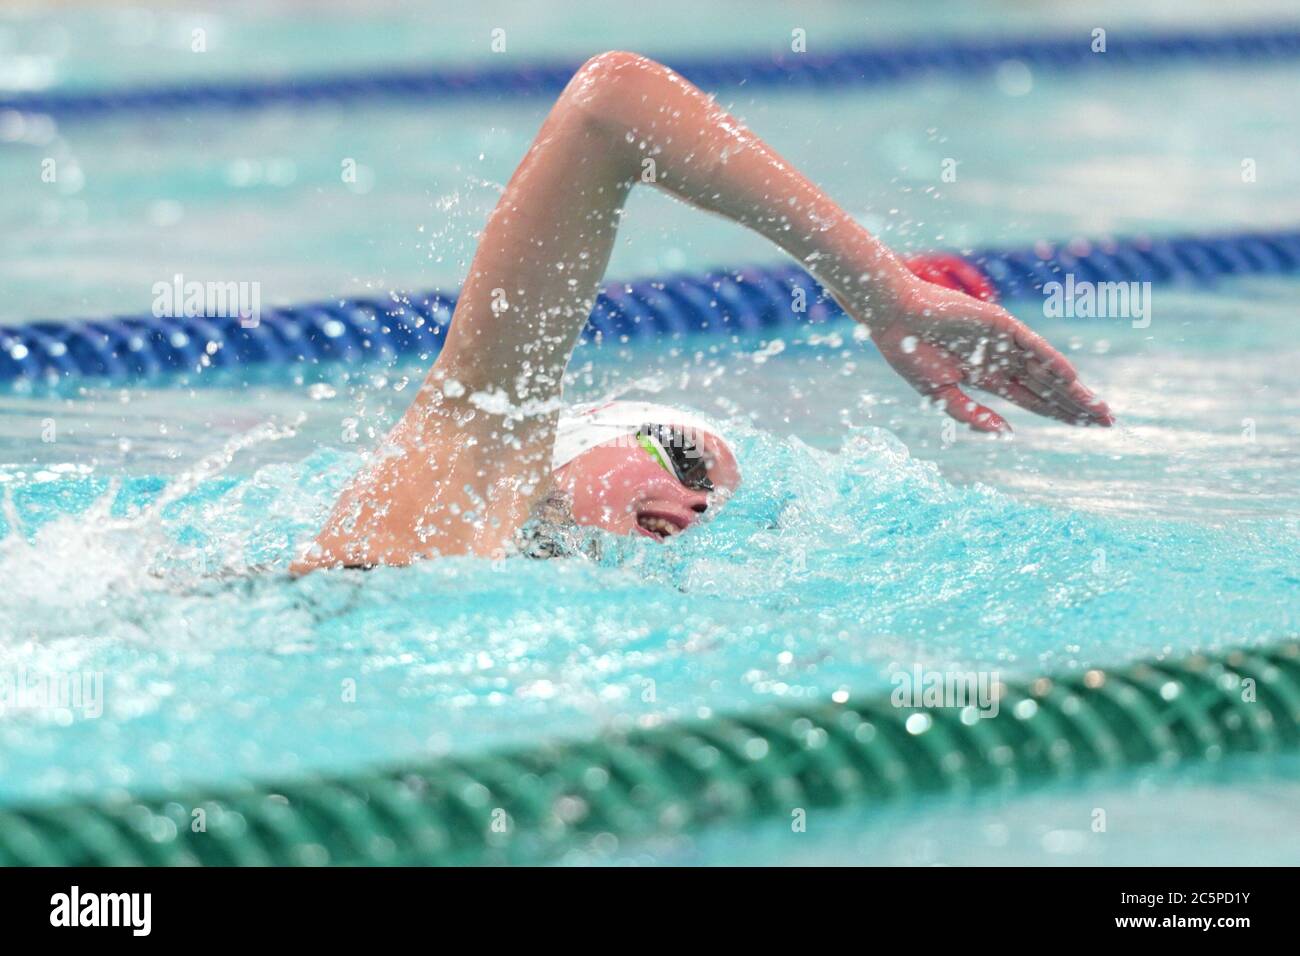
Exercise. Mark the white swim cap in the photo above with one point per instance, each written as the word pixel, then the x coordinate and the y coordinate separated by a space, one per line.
pixel 583 427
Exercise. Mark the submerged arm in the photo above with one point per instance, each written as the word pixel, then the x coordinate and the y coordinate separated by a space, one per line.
pixel 461 470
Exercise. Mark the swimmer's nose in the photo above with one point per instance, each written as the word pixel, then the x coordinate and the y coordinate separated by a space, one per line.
pixel 699 502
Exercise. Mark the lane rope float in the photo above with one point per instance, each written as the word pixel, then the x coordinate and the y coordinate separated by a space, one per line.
pixel 142 347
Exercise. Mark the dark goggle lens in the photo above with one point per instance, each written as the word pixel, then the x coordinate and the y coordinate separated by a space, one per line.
pixel 683 456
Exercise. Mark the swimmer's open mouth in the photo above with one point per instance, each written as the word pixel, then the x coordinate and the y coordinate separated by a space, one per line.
pixel 660 524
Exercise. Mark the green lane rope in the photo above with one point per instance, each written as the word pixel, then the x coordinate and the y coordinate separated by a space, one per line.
pixel 533 804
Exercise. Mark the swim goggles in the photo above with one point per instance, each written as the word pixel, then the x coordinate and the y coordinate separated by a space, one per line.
pixel 677 454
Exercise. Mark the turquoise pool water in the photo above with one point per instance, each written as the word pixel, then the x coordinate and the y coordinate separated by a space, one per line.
pixel 146 531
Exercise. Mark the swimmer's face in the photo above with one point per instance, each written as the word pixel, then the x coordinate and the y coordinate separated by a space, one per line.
pixel 621 487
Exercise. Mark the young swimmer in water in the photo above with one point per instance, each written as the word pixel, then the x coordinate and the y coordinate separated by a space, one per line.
pixel 484 442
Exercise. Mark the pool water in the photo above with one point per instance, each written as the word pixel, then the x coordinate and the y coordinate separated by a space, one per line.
pixel 146 531
pixel 1227 815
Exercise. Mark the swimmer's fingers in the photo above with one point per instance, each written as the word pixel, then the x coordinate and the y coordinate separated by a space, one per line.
pixel 1029 399
pixel 1024 356
pixel 1072 395
pixel 969 412
pixel 1025 380
pixel 935 370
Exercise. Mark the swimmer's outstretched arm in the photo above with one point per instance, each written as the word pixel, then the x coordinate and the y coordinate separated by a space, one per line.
pixel 462 469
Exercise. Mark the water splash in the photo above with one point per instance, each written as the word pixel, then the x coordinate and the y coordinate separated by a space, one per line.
pixel 827 572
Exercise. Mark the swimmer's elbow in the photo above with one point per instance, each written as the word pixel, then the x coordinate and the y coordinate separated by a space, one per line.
pixel 613 63
pixel 301 567
pixel 309 562
pixel 326 555
pixel 607 80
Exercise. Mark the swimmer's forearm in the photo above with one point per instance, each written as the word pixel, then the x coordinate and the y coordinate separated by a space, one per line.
pixel 679 139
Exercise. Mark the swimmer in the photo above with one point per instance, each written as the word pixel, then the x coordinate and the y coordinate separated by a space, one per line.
pixel 486 442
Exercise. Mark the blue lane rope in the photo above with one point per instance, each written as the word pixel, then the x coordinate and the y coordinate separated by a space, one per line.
pixel 858 66
pixel 135 347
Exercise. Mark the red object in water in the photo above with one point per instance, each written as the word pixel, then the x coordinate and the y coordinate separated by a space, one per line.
pixel 953 272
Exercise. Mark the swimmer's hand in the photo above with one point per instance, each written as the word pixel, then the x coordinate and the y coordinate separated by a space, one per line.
pixel 940 339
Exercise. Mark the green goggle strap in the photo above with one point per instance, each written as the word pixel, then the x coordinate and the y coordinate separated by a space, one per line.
pixel 655 451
